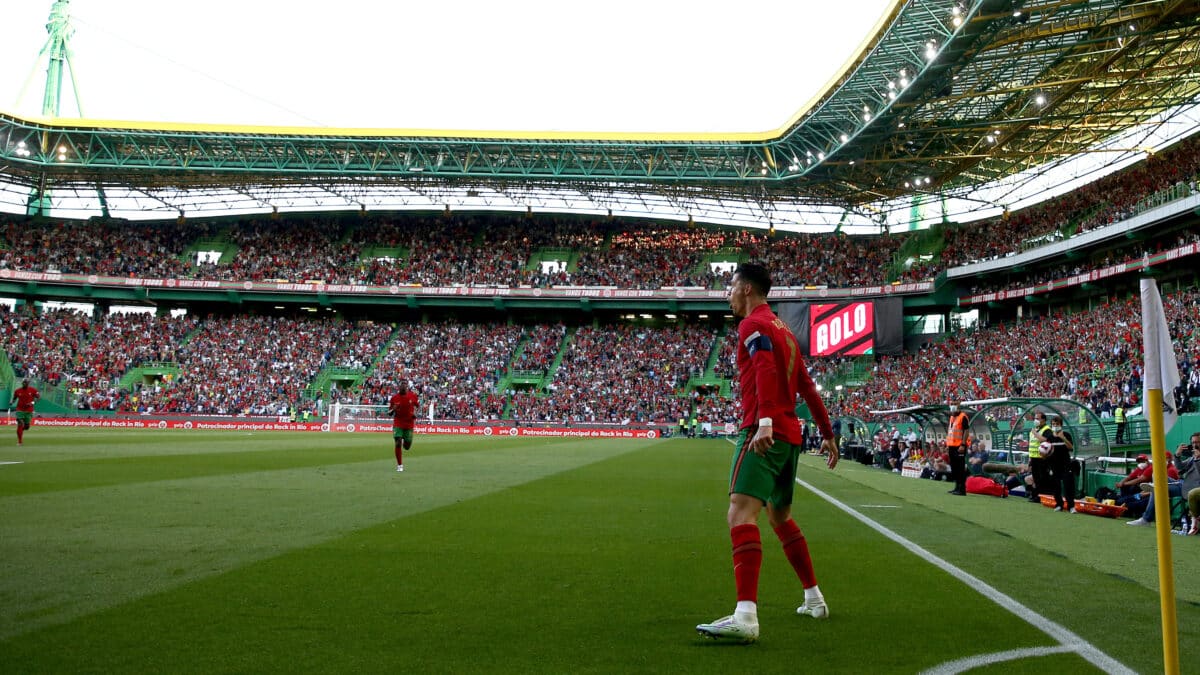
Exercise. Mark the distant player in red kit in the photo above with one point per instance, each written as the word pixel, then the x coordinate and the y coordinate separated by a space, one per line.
pixel 24 398
pixel 403 408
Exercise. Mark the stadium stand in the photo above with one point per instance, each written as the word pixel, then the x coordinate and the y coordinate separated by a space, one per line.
pixel 230 367
pixel 503 250
pixel 621 373
pixel 1101 366
pixel 454 365
pixel 43 345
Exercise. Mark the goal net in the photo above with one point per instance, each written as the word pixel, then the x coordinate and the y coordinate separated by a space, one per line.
pixel 359 414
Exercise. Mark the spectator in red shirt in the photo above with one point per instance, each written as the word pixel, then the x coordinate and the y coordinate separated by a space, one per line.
pixel 1132 497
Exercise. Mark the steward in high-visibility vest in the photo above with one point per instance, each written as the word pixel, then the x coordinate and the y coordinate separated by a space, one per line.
pixel 956 432
pixel 956 449
pixel 1036 436
pixel 1119 416
pixel 1037 463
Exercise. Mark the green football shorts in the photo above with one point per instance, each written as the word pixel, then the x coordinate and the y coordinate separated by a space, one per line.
pixel 25 419
pixel 771 477
pixel 402 434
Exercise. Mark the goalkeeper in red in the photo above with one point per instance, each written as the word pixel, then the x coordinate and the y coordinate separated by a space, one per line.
pixel 23 399
pixel 403 409
pixel 771 372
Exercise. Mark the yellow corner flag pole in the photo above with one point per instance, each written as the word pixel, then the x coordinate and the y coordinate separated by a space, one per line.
pixel 1161 374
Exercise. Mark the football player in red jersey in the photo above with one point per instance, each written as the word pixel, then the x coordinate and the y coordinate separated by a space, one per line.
pixel 403 408
pixel 771 372
pixel 23 399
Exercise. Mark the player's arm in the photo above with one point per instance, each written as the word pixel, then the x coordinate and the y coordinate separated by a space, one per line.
pixel 816 405
pixel 756 339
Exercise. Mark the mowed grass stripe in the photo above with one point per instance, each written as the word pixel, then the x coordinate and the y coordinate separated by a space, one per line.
pixel 603 568
pixel 98 458
pixel 65 554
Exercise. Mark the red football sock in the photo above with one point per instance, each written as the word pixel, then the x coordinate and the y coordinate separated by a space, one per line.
pixel 795 547
pixel 747 560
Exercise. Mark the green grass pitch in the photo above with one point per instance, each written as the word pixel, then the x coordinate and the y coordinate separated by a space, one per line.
pixel 187 552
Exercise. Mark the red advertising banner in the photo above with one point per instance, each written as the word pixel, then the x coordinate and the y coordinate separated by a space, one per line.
pixel 842 328
pixel 497 430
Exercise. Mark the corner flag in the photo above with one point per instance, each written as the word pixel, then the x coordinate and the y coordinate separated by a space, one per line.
pixel 1161 369
pixel 1159 380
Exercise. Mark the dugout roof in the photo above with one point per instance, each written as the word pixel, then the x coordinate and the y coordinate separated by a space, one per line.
pixel 946 96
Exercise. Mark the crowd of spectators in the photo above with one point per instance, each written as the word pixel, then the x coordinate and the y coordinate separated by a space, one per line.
pixel 455 366
pixel 310 249
pixel 247 365
pixel 43 345
pixel 115 249
pixel 619 374
pixel 541 347
pixel 1097 204
pixel 833 260
pixel 1128 254
pixel 502 249
pixel 612 374
pixel 361 346
pixel 116 343
pixel 1093 357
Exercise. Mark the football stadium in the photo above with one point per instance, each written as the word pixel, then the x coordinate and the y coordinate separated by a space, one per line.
pixel 981 226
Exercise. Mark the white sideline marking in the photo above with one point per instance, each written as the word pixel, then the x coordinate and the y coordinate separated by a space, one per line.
pixel 878 506
pixel 1070 641
pixel 978 661
pixel 12 462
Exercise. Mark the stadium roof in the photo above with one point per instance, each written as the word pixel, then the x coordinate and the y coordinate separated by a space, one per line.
pixel 947 97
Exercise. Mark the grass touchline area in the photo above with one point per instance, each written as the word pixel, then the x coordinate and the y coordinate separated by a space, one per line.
pixel 272 552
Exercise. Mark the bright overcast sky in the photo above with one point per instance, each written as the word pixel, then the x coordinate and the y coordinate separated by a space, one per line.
pixel 619 65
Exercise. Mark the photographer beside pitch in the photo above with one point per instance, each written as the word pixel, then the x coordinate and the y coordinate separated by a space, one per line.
pixel 771 372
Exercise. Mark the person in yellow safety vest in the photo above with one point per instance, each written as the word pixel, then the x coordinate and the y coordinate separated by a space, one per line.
pixel 1083 429
pixel 1037 463
pixel 957 444
pixel 1119 416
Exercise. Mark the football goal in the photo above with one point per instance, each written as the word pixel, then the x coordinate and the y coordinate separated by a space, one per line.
pixel 341 413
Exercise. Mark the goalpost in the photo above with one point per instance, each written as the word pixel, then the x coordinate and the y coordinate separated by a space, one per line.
pixel 369 414
pixel 358 414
